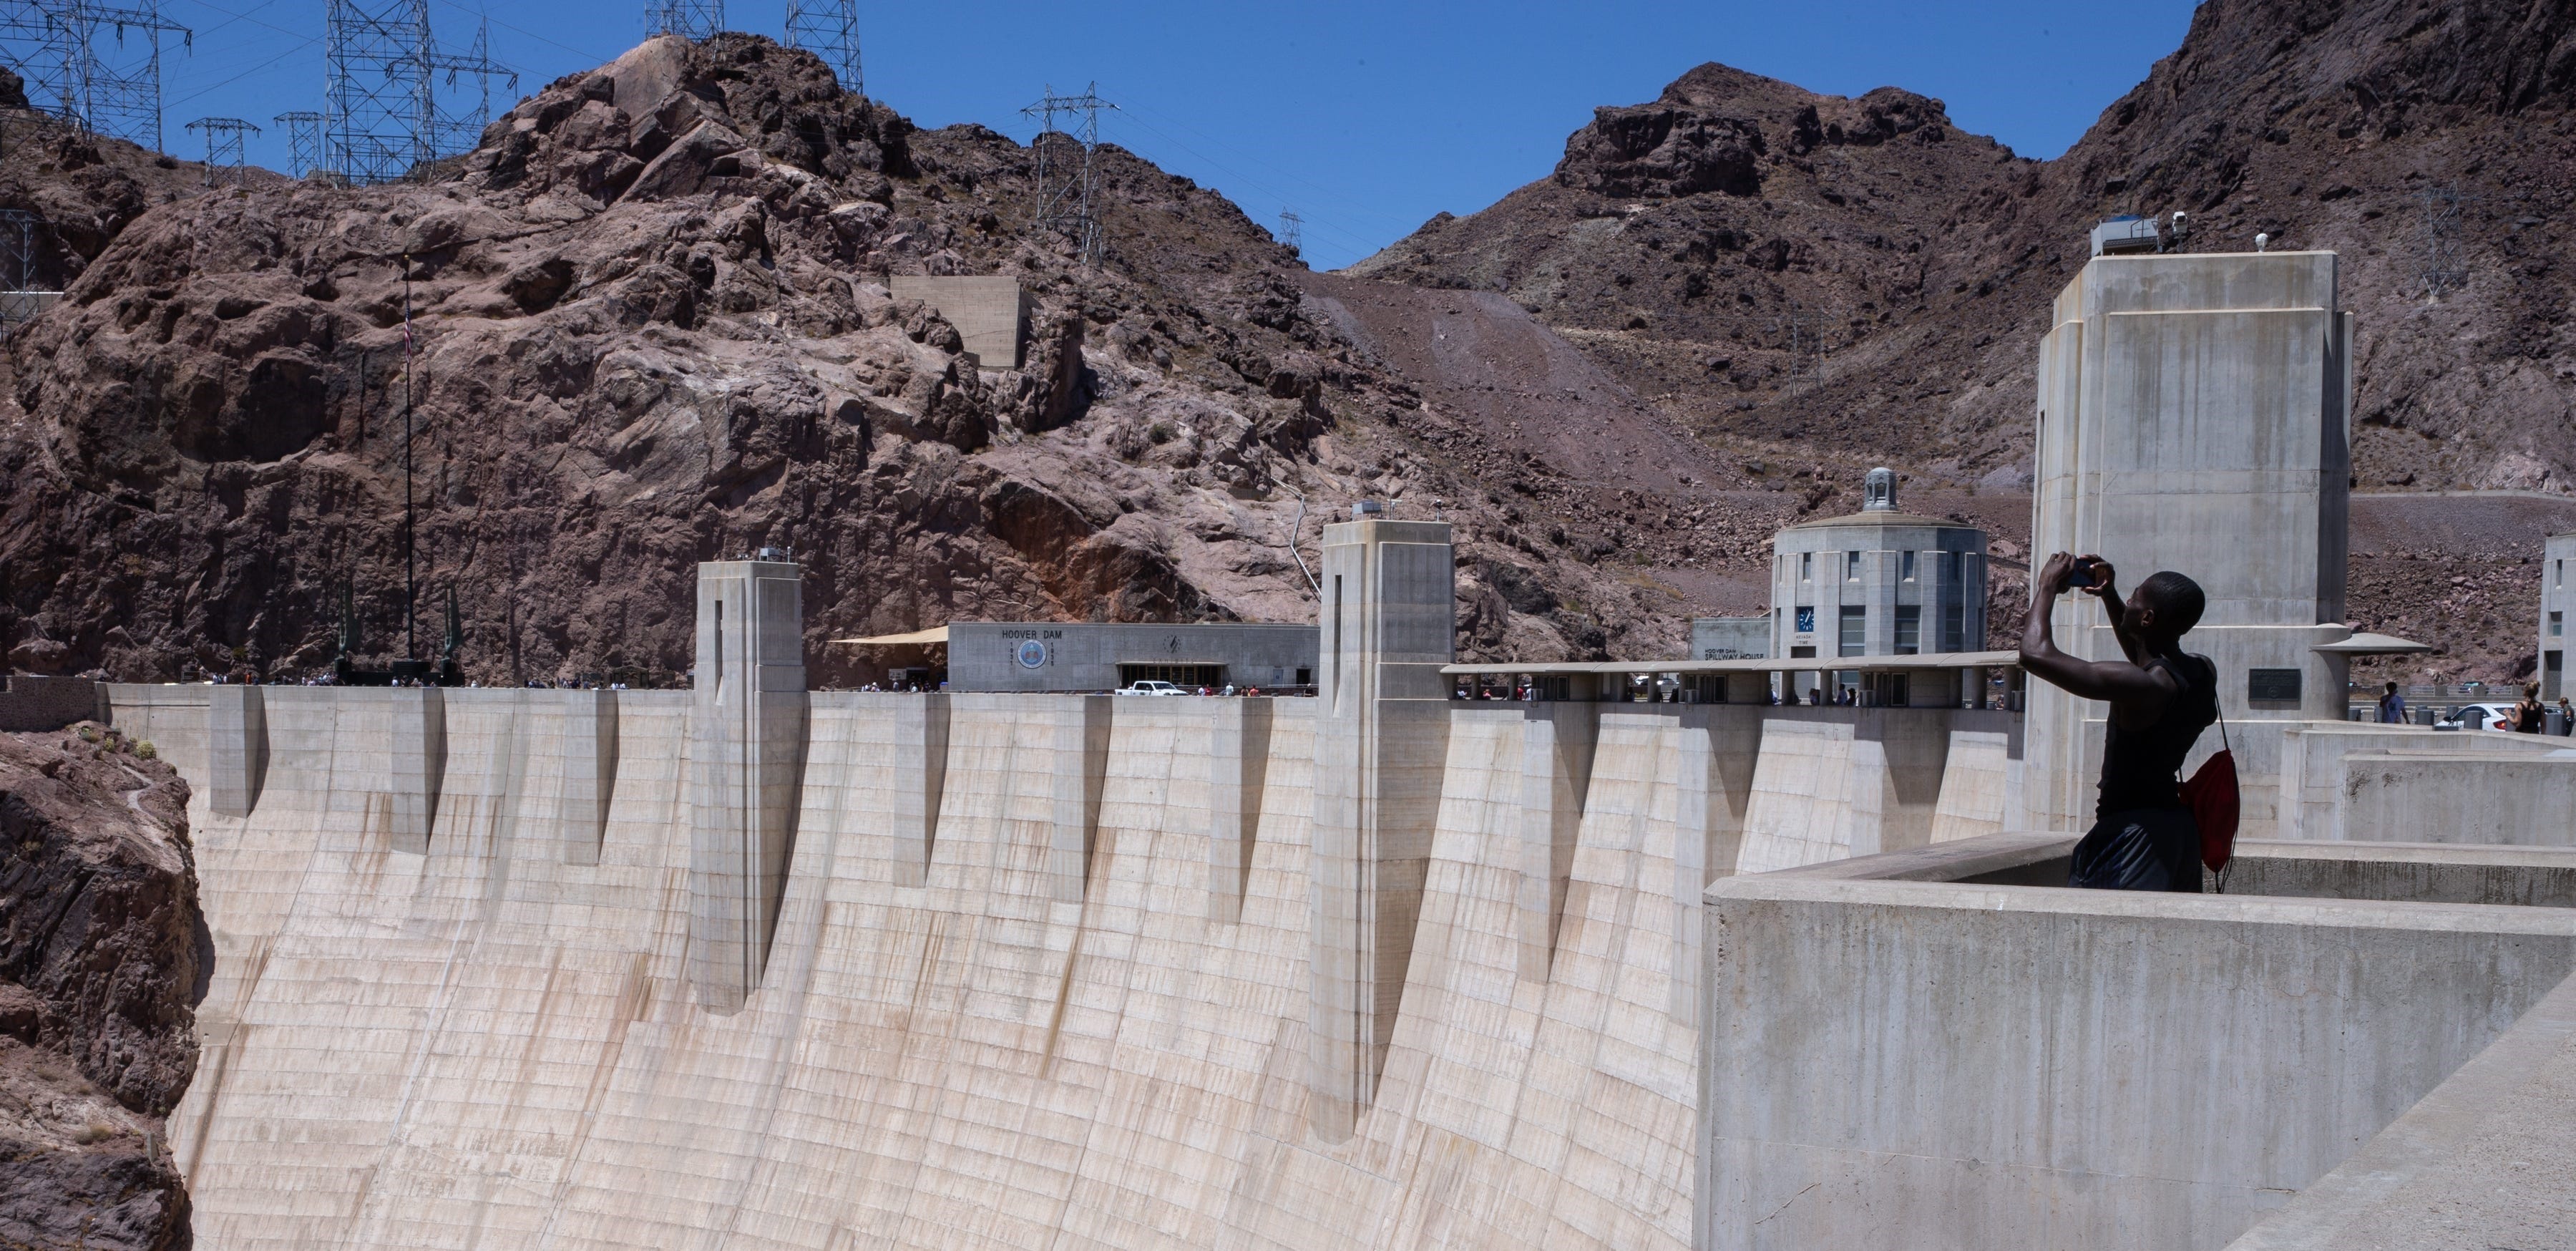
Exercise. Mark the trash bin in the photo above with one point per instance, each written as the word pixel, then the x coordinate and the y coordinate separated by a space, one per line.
pixel 2553 722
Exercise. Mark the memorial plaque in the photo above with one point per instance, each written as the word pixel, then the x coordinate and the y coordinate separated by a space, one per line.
pixel 2272 686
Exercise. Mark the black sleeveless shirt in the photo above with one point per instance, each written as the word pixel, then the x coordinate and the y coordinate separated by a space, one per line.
pixel 2140 767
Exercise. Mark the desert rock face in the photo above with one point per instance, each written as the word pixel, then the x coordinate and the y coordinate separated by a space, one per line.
pixel 651 325
pixel 1870 287
pixel 102 954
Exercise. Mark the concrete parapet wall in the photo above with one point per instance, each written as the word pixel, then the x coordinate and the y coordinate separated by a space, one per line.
pixel 2528 877
pixel 2311 788
pixel 2516 798
pixel 1911 1063
pixel 2481 1162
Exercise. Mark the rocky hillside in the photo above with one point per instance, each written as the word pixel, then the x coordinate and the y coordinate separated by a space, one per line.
pixel 1810 280
pixel 102 955
pixel 1817 276
pixel 651 325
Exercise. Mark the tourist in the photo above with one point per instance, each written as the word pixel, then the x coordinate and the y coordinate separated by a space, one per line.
pixel 2392 707
pixel 2528 714
pixel 2143 837
pixel 2566 716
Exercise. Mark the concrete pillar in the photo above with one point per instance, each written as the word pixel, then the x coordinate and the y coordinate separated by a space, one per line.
pixel 1081 768
pixel 2188 403
pixel 1382 741
pixel 1238 766
pixel 419 765
pixel 1557 745
pixel 589 772
pixel 916 756
pixel 747 732
pixel 236 747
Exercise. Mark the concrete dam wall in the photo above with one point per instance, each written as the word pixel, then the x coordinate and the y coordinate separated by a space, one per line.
pixel 1039 974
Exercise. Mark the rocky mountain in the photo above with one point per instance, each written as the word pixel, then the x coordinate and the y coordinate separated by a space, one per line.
pixel 650 324
pixel 102 958
pixel 1811 280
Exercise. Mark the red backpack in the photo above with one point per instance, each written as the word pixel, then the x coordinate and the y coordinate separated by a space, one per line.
pixel 2211 796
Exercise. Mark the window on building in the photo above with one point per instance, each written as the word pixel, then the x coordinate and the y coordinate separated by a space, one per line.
pixel 2558 573
pixel 1954 627
pixel 1905 567
pixel 2557 624
pixel 1851 566
pixel 1950 567
pixel 1855 630
pixel 1178 675
pixel 1806 618
pixel 1806 566
pixel 1909 629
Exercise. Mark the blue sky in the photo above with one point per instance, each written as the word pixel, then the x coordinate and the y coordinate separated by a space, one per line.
pixel 1364 118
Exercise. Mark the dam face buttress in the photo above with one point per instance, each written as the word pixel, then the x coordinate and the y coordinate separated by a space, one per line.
pixel 755 966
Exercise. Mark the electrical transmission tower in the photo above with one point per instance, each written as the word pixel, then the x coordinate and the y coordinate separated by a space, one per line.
pixel 829 29
pixel 109 89
pixel 2444 267
pixel 459 130
pixel 1064 166
pixel 303 141
pixel 381 114
pixel 18 250
pixel 1806 342
pixel 1292 230
pixel 224 147
pixel 689 19
pixel 18 261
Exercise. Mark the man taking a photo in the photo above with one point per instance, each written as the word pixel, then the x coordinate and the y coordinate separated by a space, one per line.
pixel 2143 837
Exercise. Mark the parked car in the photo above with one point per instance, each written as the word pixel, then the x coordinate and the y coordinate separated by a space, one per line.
pixel 2479 717
pixel 1148 686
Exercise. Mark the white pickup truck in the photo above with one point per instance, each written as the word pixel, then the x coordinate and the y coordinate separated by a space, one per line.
pixel 1150 687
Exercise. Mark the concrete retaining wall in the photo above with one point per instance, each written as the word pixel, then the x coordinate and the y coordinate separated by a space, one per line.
pixel 2530 877
pixel 2482 1162
pixel 2312 776
pixel 1923 1063
pixel 35 703
pixel 2523 799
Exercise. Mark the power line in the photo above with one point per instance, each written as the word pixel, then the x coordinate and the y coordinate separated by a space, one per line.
pixel 2444 267
pixel 829 29
pixel 1064 178
pixel 380 109
pixel 18 250
pixel 689 19
pixel 303 141
pixel 223 147
pixel 1356 243
pixel 55 45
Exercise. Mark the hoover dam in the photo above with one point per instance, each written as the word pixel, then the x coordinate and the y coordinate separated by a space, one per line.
pixel 751 965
